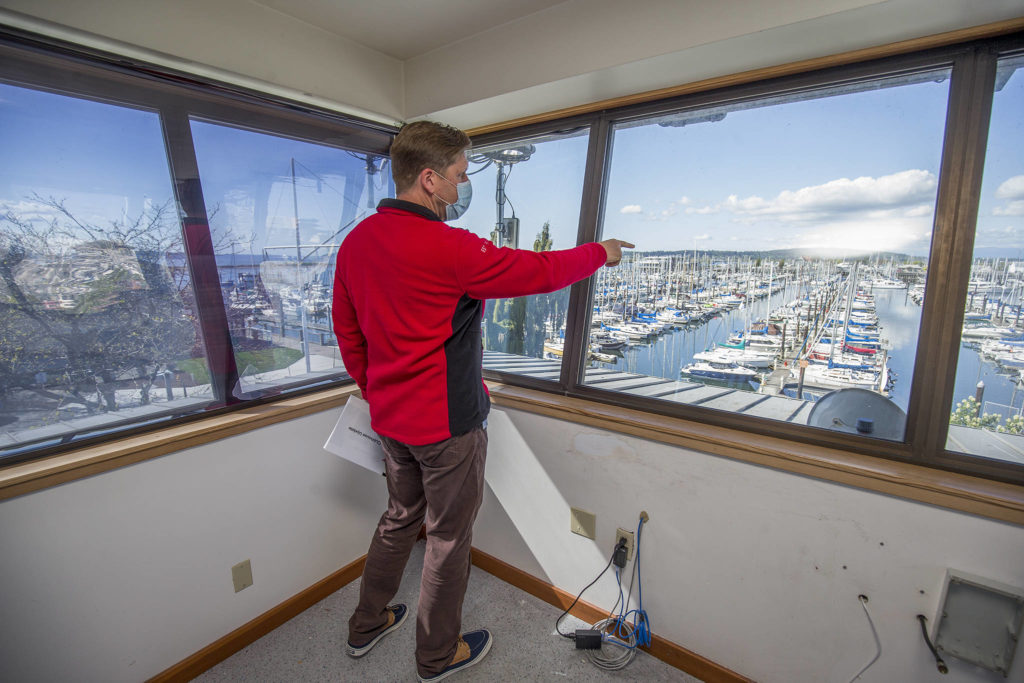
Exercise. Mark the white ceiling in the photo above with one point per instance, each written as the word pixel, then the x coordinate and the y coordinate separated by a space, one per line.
pixel 406 28
pixel 476 62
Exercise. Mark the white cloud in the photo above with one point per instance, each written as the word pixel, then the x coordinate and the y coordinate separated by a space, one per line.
pixel 684 200
pixel 863 235
pixel 703 237
pixel 751 204
pixel 866 213
pixel 1014 208
pixel 1006 237
pixel 1011 188
pixel 922 210
pixel 29 210
pixel 909 188
pixel 632 208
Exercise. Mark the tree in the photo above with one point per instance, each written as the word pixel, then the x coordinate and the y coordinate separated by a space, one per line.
pixel 519 325
pixel 544 241
pixel 90 306
pixel 546 311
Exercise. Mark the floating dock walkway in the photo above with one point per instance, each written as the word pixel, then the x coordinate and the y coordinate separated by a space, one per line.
pixel 1008 447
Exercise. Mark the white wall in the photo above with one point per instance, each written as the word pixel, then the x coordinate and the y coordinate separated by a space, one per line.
pixel 119 576
pixel 230 40
pixel 584 36
pixel 122 575
pixel 756 569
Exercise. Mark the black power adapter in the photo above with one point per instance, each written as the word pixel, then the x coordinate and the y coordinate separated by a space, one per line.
pixel 620 554
pixel 588 639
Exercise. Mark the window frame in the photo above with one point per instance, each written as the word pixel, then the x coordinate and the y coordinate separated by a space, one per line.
pixel 50 65
pixel 67 68
pixel 570 354
pixel 968 111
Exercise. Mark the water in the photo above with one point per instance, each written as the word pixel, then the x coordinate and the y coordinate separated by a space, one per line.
pixel 1002 394
pixel 899 320
pixel 667 355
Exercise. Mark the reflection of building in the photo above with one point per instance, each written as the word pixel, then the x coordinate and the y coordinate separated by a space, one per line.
pixel 91 273
pixel 238 270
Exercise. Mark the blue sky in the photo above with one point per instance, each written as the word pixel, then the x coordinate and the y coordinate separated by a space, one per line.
pixel 101 159
pixel 243 171
pixel 546 188
pixel 856 171
pixel 109 161
pixel 1001 210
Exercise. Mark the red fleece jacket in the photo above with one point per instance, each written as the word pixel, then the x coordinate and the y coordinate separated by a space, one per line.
pixel 408 299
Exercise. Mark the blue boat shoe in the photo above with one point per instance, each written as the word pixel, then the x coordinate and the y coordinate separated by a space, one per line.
pixel 479 643
pixel 400 612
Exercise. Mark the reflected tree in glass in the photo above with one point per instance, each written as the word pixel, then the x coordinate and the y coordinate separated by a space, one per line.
pixel 85 306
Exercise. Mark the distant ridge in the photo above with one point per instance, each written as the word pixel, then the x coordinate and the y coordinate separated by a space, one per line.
pixel 790 253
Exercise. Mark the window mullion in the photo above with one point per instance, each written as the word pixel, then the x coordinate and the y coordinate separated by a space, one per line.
pixel 578 320
pixel 963 159
pixel 200 256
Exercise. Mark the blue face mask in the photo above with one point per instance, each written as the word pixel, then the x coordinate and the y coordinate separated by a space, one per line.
pixel 461 205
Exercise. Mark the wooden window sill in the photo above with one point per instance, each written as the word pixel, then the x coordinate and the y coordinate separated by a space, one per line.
pixel 974 495
pixel 22 478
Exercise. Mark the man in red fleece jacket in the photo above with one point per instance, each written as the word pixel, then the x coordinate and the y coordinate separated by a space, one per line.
pixel 409 292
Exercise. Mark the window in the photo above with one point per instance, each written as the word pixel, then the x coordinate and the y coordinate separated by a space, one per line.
pixel 136 288
pixel 769 217
pixel 537 184
pixel 279 209
pixel 986 419
pixel 97 314
pixel 782 242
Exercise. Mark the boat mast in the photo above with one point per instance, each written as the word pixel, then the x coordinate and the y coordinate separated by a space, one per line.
pixel 850 293
pixel 298 273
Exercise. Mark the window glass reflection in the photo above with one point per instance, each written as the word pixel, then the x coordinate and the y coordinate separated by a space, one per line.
pixel 98 326
pixel 279 209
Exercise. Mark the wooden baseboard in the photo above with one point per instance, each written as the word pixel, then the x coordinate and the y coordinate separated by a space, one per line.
pixel 665 650
pixel 218 651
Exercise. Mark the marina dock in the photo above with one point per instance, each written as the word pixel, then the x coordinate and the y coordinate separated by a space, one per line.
pixel 677 391
pixel 1009 447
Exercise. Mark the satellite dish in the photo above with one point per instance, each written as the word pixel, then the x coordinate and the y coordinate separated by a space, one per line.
pixel 859 411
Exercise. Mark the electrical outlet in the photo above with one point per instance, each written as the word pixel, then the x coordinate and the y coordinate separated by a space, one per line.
pixel 628 535
pixel 583 523
pixel 241 575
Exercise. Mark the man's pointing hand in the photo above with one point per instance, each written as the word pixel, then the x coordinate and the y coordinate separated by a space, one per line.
pixel 613 248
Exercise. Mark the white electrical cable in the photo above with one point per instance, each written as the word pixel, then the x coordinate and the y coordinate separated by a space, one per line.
pixel 626 648
pixel 878 644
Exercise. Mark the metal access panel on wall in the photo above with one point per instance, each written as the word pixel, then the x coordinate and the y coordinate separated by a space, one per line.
pixel 980 621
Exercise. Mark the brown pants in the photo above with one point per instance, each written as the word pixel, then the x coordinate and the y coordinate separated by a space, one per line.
pixel 440 483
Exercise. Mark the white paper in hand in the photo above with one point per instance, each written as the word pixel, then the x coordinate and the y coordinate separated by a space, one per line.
pixel 353 439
